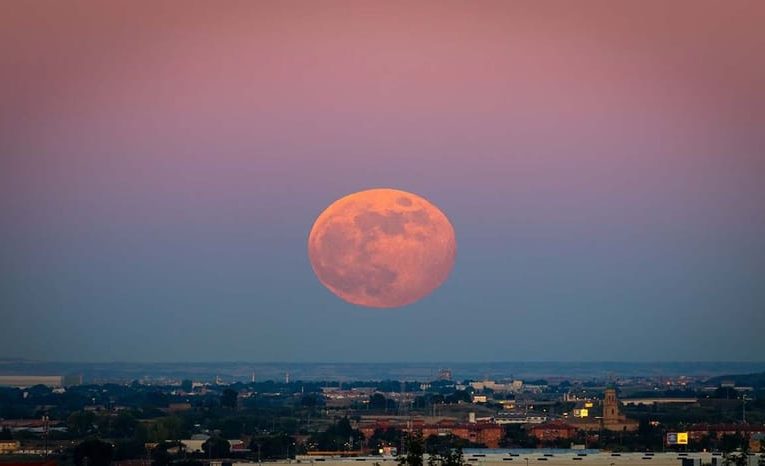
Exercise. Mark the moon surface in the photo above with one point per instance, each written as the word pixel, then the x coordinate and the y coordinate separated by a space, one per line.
pixel 382 248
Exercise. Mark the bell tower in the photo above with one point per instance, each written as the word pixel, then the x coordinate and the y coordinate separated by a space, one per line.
pixel 611 407
pixel 613 419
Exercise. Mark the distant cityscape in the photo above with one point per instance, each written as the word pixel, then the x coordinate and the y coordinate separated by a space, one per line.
pixel 231 372
pixel 670 413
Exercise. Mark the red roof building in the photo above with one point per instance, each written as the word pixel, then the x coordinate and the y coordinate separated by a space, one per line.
pixel 697 431
pixel 554 430
pixel 489 434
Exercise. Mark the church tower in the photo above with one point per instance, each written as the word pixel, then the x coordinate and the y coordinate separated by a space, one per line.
pixel 611 407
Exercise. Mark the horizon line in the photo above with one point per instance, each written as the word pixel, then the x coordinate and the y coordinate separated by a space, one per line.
pixel 545 361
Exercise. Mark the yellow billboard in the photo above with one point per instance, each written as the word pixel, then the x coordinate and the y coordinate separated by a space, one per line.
pixel 677 438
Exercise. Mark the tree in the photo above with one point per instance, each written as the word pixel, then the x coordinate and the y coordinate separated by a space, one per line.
pixel 96 452
pixel 164 429
pixel 517 437
pixel 444 444
pixel 129 449
pixel 727 393
pixel 735 459
pixel 420 402
pixel 310 400
pixel 340 436
pixel 704 443
pixel 415 450
pixel 730 442
pixel 228 399
pixel 187 462
pixel 458 396
pixel 160 456
pixel 387 437
pixel 80 423
pixel 278 446
pixel 232 427
pixel 378 402
pixel 123 426
pixel 216 447
pixel 741 456
pixel 450 457
pixel 187 385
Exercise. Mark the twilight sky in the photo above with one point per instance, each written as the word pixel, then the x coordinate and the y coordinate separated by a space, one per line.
pixel 602 163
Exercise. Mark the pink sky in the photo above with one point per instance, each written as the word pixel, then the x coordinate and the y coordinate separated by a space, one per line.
pixel 622 136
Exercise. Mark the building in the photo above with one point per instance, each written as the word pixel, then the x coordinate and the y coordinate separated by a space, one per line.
pixel 554 430
pixel 23 381
pixel 497 387
pixel 9 446
pixel 178 407
pixel 22 424
pixel 698 431
pixel 31 463
pixel 583 408
pixel 486 433
pixel 53 381
pixel 656 401
pixel 533 457
pixel 520 418
pixel 757 442
pixel 195 445
pixel 613 419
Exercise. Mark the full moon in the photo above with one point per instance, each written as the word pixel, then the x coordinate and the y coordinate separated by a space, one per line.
pixel 382 248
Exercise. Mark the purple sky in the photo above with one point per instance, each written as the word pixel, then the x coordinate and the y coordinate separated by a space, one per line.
pixel 602 164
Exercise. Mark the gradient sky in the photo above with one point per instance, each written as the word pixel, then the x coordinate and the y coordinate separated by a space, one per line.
pixel 603 165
